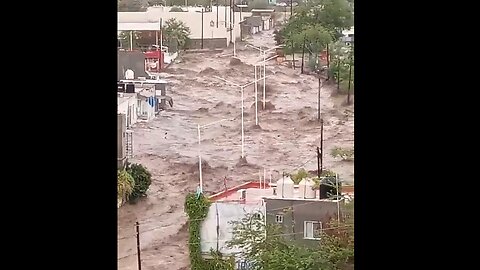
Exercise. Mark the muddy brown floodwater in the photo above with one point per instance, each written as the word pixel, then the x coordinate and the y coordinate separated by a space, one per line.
pixel 168 146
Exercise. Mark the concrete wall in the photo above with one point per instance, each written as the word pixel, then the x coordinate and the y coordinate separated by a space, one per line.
pixel 130 60
pixel 121 140
pixel 226 212
pixel 128 107
pixel 303 210
pixel 208 43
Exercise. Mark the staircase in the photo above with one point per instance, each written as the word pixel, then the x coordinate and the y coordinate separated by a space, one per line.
pixel 129 143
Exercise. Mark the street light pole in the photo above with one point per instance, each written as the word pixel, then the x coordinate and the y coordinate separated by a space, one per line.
pixel 243 138
pixel 264 81
pixel 202 28
pixel 349 82
pixel 256 96
pixel 199 150
pixel 241 88
pixel 264 52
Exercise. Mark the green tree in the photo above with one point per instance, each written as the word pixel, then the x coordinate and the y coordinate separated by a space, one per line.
pixel 338 242
pixel 176 33
pixel 142 178
pixel 315 37
pixel 342 56
pixel 336 15
pixel 131 5
pixel 321 16
pixel 265 247
pixel 299 176
pixel 125 184
pixel 125 39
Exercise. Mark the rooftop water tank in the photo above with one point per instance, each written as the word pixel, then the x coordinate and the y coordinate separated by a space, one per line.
pixel 306 190
pixel 129 74
pixel 285 187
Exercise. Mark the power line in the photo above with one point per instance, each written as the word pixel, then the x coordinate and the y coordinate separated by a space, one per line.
pixel 189 220
pixel 274 235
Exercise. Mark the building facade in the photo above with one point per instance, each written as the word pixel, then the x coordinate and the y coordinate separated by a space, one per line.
pixel 213 27
pixel 231 205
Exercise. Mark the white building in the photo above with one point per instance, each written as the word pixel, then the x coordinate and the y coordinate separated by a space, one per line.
pixel 231 205
pixel 127 104
pixel 150 21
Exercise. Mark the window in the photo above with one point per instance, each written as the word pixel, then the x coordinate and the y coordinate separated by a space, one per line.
pixel 279 218
pixel 312 230
pixel 274 191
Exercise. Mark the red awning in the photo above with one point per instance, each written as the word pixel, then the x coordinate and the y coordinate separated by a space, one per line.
pixel 152 54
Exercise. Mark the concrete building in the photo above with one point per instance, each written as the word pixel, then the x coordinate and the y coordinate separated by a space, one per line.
pixel 151 93
pixel 127 105
pixel 231 205
pixel 251 25
pixel 299 211
pixel 348 36
pixel 266 16
pixel 214 27
pixel 121 141
pixel 132 60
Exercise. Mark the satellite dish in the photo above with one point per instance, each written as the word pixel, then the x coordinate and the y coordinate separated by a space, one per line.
pixel 129 74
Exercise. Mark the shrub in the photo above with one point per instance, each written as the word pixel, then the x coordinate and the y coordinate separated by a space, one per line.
pixel 125 184
pixel 299 176
pixel 347 154
pixel 142 178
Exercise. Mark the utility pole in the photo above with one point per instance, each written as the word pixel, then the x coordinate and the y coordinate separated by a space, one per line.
pixel 328 63
pixel 303 50
pixel 138 246
pixel 349 81
pixel 321 146
pixel 231 26
pixel 319 90
pixel 293 55
pixel 291 8
pixel 161 43
pixel 338 75
pixel 225 9
pixel 217 13
pixel 318 163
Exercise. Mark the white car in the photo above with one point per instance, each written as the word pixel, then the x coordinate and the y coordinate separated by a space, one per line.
pixel 281 4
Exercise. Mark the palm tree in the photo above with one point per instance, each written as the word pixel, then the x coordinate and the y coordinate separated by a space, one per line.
pixel 176 31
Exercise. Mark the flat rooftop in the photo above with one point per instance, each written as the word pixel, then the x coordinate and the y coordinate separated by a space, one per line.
pixel 256 192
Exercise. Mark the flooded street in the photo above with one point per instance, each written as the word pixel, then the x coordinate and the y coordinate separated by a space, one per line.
pixel 285 141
